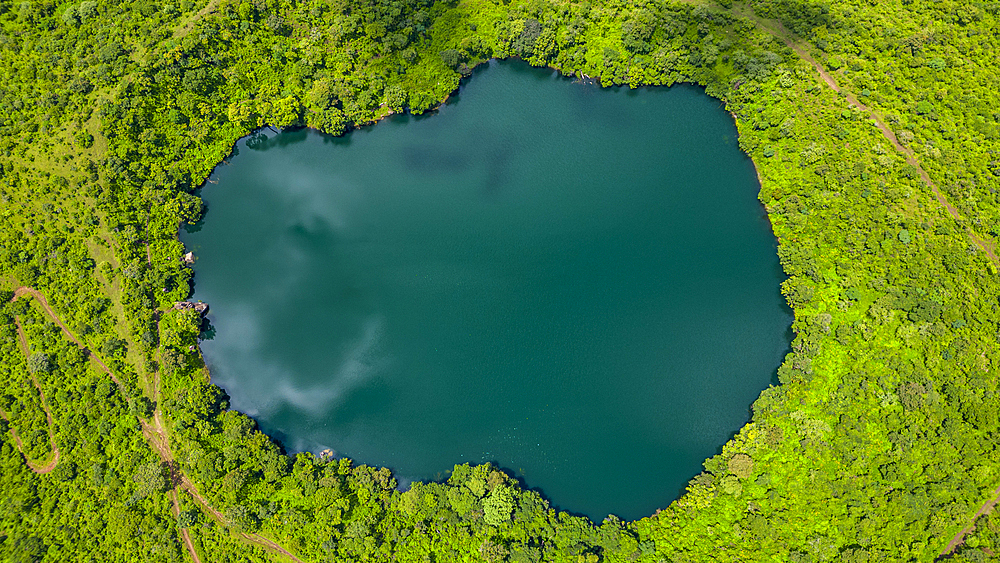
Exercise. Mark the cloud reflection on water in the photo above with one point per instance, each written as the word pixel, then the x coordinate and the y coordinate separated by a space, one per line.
pixel 240 350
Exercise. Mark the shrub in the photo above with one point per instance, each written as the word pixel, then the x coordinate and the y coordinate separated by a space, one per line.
pixel 39 363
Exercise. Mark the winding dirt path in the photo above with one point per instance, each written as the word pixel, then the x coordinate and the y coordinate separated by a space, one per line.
pixel 155 435
pixel 24 290
pixel 801 48
pixel 35 466
pixel 157 438
pixel 22 338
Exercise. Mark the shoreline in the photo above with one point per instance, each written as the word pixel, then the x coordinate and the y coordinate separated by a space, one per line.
pixel 756 169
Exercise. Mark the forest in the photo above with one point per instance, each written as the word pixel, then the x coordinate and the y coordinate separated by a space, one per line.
pixel 875 129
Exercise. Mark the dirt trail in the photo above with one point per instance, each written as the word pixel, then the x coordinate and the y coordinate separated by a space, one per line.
pixel 24 290
pixel 22 338
pixel 51 464
pixel 33 464
pixel 157 438
pixel 186 25
pixel 154 433
pixel 801 48
pixel 959 538
pixel 185 535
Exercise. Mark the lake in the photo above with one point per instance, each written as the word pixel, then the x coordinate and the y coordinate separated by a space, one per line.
pixel 575 283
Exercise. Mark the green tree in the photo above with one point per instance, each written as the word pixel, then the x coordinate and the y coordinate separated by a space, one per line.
pixel 149 479
pixel 39 363
pixel 498 505
pixel 741 465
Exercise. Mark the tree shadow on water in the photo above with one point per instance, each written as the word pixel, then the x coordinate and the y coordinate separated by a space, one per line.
pixel 268 137
pixel 207 330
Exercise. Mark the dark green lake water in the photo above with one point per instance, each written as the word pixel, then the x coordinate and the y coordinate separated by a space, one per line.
pixel 576 283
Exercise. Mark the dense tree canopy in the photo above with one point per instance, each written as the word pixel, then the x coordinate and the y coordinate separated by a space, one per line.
pixel 879 444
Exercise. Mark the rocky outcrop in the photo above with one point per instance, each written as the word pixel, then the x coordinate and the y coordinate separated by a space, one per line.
pixel 202 308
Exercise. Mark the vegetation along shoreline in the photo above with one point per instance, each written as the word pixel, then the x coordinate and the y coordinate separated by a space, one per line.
pixel 879 444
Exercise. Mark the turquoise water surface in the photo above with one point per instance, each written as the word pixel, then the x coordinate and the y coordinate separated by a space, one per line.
pixel 575 283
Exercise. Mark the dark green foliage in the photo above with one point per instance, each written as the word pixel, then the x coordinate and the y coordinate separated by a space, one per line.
pixel 879 444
